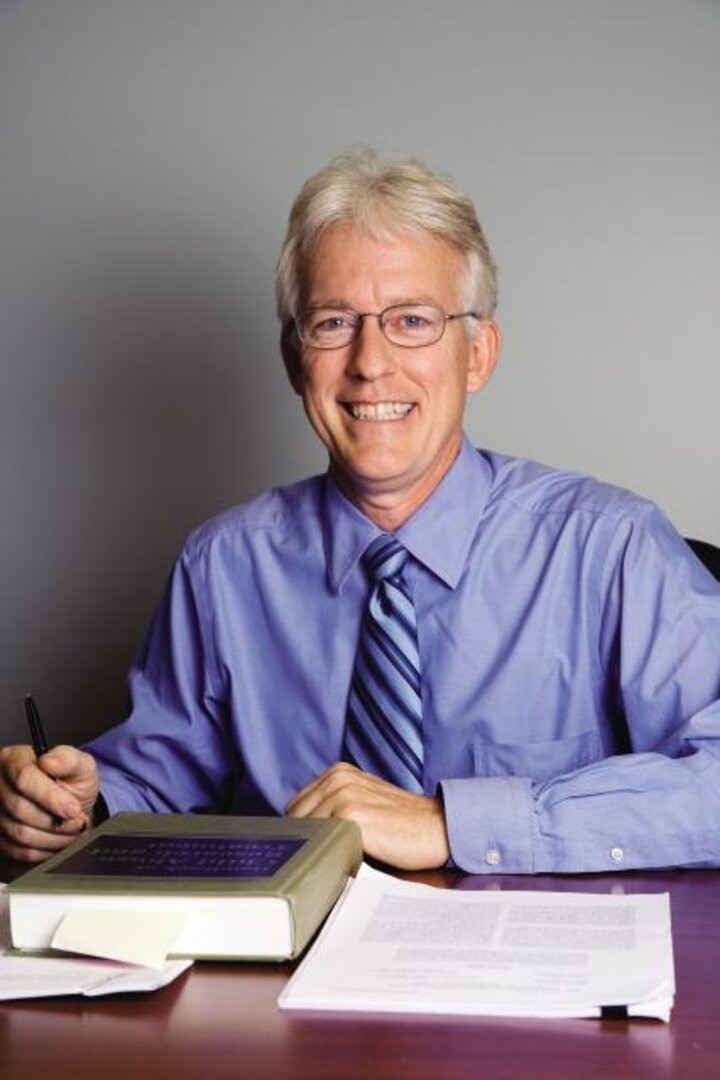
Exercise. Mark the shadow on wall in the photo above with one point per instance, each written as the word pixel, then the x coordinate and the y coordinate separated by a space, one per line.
pixel 154 404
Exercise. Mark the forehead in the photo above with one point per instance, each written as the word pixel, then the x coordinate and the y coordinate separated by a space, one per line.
pixel 350 266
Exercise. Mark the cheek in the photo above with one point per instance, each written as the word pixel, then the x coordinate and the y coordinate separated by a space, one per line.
pixel 319 379
pixel 312 387
pixel 445 389
pixel 318 401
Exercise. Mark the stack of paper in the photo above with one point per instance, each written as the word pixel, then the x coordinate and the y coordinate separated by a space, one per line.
pixel 52 976
pixel 397 946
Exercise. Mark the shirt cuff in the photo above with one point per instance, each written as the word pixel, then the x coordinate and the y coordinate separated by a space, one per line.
pixel 118 797
pixel 101 811
pixel 490 824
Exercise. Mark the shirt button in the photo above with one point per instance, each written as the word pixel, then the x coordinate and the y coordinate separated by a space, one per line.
pixel 492 856
pixel 617 854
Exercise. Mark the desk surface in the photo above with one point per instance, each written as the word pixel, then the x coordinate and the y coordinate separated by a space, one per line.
pixel 221 1020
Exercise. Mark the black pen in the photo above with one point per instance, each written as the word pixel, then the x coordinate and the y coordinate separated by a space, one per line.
pixel 37 736
pixel 37 733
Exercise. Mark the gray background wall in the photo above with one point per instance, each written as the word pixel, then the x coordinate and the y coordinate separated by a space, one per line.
pixel 149 151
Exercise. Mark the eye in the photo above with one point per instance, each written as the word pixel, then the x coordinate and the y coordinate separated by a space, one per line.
pixel 329 323
pixel 406 320
pixel 328 326
pixel 410 323
pixel 410 320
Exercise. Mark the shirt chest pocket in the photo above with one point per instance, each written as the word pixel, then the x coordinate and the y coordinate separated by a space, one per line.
pixel 539 761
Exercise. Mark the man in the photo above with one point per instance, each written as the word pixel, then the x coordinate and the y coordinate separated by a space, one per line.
pixel 534 685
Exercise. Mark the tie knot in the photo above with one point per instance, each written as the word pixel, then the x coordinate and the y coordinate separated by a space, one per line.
pixel 384 558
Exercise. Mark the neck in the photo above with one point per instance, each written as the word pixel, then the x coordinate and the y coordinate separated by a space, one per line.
pixel 389 508
pixel 389 518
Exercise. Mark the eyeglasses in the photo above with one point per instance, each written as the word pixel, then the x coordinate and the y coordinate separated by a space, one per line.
pixel 408 325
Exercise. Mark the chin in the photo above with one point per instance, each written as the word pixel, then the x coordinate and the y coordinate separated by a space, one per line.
pixel 376 469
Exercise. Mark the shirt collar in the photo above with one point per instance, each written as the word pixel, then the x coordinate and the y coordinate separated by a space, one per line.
pixel 438 535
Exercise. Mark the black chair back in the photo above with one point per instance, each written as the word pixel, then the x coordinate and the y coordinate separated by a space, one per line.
pixel 707 554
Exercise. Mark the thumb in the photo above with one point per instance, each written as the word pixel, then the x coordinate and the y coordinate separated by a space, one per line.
pixel 76 773
pixel 65 763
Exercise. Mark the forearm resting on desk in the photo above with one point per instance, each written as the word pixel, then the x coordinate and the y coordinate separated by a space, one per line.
pixel 398 827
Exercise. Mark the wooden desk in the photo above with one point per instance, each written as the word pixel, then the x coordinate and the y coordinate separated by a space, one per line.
pixel 221 1021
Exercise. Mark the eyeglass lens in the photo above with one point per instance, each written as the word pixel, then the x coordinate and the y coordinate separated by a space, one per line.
pixel 410 325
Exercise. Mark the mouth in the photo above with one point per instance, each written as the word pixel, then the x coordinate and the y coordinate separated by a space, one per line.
pixel 381 410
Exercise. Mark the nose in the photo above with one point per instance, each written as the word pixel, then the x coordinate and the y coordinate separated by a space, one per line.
pixel 371 354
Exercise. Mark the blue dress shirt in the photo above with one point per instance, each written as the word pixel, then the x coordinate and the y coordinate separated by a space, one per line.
pixel 570 650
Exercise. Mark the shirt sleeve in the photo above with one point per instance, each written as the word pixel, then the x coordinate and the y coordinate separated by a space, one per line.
pixel 657 805
pixel 173 753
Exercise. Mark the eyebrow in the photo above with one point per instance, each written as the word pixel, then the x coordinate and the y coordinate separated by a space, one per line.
pixel 343 305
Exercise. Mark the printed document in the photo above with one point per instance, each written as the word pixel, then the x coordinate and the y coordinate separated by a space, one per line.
pixel 399 946
pixel 52 976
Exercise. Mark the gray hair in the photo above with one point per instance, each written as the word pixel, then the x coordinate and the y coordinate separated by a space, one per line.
pixel 357 188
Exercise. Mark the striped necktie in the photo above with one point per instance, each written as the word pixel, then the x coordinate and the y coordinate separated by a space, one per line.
pixel 383 733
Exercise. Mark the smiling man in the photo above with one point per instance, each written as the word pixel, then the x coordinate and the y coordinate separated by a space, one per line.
pixel 478 659
pixel 384 362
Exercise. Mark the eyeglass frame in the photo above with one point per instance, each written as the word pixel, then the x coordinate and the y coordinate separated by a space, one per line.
pixel 360 315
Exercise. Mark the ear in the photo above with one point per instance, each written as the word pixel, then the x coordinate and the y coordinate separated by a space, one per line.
pixel 484 352
pixel 289 347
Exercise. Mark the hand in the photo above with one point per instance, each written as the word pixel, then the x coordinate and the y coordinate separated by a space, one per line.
pixel 398 828
pixel 44 802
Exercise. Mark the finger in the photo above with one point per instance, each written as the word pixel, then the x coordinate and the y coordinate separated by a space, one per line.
pixel 24 853
pixel 322 801
pixel 20 810
pixel 28 777
pixel 352 799
pixel 300 796
pixel 305 802
pixel 41 787
pixel 70 766
pixel 338 776
pixel 68 763
pixel 19 840
pixel 76 775
pixel 13 759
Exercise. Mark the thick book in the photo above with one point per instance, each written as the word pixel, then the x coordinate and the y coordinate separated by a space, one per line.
pixel 241 887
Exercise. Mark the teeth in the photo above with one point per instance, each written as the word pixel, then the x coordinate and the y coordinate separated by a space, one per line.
pixel 384 410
